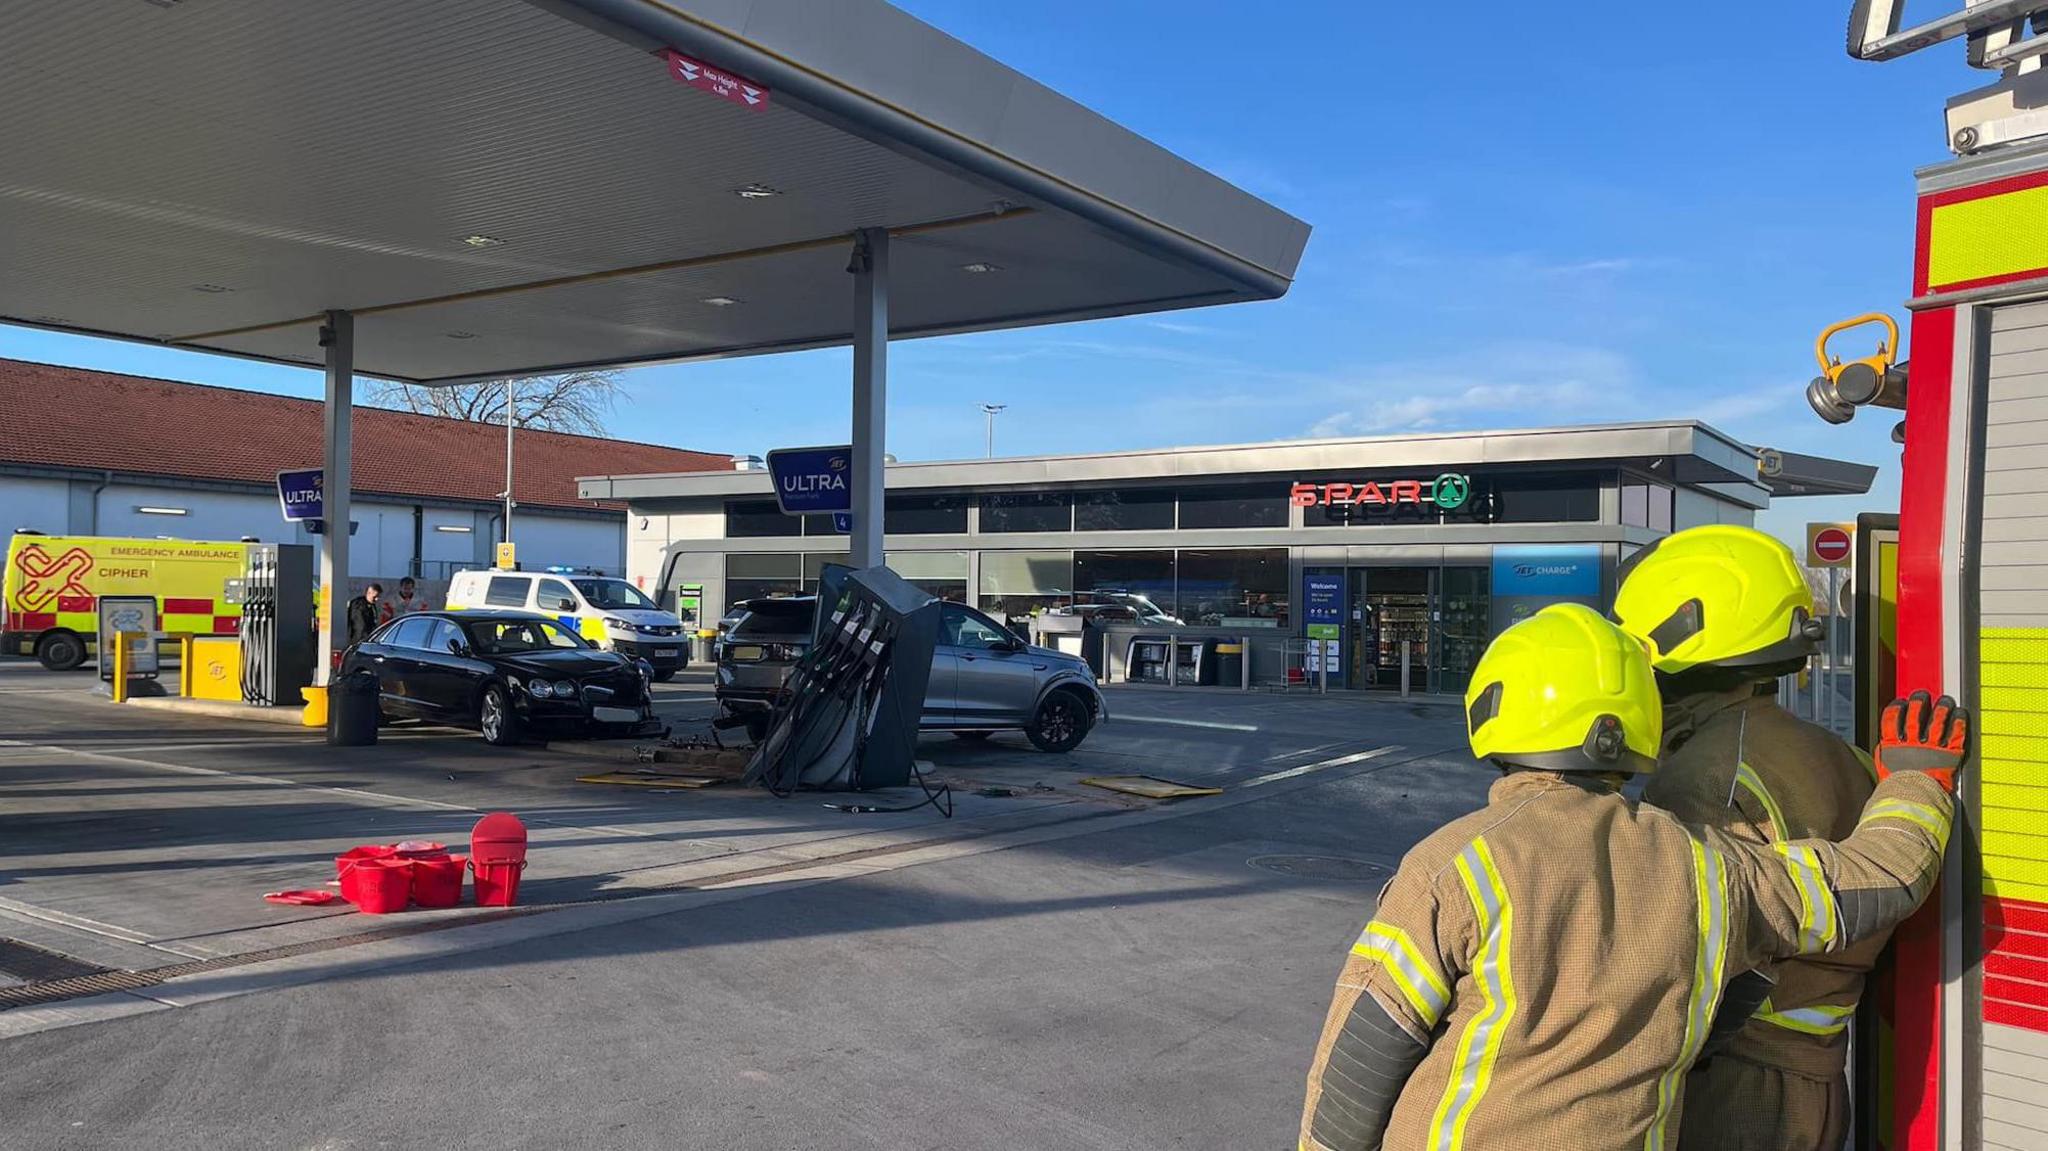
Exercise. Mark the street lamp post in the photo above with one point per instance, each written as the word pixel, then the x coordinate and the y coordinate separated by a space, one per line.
pixel 511 406
pixel 990 411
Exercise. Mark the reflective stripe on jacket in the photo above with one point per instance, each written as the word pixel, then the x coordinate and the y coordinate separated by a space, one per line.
pixel 1740 762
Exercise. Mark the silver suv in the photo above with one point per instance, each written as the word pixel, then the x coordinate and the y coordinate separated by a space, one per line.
pixel 984 679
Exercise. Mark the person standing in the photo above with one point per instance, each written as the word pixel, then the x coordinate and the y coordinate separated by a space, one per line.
pixel 1725 611
pixel 1543 972
pixel 362 614
pixel 404 603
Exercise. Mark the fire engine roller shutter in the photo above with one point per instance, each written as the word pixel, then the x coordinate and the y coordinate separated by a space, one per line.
pixel 2012 697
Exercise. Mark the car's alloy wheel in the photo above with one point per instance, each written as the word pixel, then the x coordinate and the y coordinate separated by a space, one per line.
pixel 495 719
pixel 1060 725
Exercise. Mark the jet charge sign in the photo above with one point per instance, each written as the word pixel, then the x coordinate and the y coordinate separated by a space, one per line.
pixel 812 481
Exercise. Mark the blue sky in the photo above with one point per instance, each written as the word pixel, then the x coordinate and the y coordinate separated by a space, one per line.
pixel 1518 222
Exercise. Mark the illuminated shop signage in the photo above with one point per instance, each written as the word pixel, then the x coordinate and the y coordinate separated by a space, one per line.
pixel 1448 491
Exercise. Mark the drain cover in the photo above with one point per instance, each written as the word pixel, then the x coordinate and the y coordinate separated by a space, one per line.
pixel 28 962
pixel 1331 867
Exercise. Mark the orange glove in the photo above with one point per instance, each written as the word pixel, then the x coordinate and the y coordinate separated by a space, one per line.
pixel 1919 734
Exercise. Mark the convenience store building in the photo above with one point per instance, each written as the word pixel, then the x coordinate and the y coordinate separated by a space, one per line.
pixel 1439 540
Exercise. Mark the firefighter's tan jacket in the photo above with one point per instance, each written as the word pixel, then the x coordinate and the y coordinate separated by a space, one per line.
pixel 1552 962
pixel 1740 762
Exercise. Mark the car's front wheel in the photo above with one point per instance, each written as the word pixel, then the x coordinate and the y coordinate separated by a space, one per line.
pixel 1060 724
pixel 495 718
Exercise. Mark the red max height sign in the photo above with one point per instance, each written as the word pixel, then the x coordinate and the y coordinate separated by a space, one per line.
pixel 720 83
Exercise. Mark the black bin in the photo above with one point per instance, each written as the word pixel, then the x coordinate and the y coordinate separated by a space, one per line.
pixel 1229 664
pixel 352 709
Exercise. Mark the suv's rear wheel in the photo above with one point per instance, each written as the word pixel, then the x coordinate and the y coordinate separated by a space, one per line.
pixel 1060 724
pixel 60 650
pixel 495 717
pixel 757 726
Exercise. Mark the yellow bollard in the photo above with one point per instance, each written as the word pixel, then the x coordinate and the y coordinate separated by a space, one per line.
pixel 315 714
pixel 120 677
pixel 185 662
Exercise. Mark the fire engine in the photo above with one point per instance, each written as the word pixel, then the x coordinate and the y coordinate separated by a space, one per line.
pixel 49 595
pixel 1968 1037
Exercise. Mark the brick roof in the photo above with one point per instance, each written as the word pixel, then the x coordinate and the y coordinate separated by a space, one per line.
pixel 55 416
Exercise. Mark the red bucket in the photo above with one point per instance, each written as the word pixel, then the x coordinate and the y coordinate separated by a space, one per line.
pixel 497 881
pixel 355 855
pixel 377 886
pixel 437 880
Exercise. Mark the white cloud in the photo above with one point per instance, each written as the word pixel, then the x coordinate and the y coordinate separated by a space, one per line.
pixel 1502 386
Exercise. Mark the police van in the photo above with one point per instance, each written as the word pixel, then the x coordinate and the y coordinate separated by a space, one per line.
pixel 609 612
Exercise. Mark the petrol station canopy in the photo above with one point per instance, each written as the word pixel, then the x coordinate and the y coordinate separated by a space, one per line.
pixel 499 187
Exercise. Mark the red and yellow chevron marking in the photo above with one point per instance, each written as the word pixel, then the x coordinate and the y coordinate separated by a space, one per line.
pixel 2012 741
pixel 1982 235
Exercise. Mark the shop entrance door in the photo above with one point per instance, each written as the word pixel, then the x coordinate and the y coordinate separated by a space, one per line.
pixel 1442 613
pixel 1387 607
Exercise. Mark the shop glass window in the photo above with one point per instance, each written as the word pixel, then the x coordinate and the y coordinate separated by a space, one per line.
pixel 1546 498
pixel 1645 505
pixel 762 575
pixel 760 518
pixel 1026 512
pixel 1233 587
pixel 814 563
pixel 1126 586
pixel 925 515
pixel 1124 510
pixel 1016 585
pixel 1635 504
pixel 1660 508
pixel 939 574
pixel 1258 505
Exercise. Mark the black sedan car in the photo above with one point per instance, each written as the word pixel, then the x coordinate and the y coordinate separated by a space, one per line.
pixel 505 673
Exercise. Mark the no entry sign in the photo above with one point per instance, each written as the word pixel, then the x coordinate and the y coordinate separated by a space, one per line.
pixel 1829 545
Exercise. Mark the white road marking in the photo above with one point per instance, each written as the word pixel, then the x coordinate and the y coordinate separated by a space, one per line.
pixel 1208 723
pixel 1321 765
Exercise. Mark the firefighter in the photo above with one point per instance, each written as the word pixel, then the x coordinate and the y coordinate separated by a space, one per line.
pixel 1542 972
pixel 1725 611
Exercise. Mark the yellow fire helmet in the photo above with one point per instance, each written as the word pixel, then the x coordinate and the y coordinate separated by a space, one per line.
pixel 1720 596
pixel 1565 690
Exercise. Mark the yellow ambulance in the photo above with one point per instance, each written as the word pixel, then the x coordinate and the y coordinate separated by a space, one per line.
pixel 49 596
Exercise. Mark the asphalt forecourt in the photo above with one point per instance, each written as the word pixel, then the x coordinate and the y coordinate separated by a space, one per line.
pixel 138 845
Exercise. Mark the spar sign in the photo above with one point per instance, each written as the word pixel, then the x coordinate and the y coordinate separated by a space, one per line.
pixel 812 481
pixel 1448 491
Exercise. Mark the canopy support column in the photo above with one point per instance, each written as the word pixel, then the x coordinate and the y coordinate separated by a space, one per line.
pixel 870 270
pixel 338 336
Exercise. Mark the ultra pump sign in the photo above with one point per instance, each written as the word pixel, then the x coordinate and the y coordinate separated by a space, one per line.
pixel 299 493
pixel 812 481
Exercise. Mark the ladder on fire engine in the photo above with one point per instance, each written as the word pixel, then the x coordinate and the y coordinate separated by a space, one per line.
pixel 2005 36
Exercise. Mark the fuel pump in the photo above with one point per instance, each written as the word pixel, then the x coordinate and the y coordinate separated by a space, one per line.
pixel 277 624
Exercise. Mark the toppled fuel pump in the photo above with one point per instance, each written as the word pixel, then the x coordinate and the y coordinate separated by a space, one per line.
pixel 850 718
